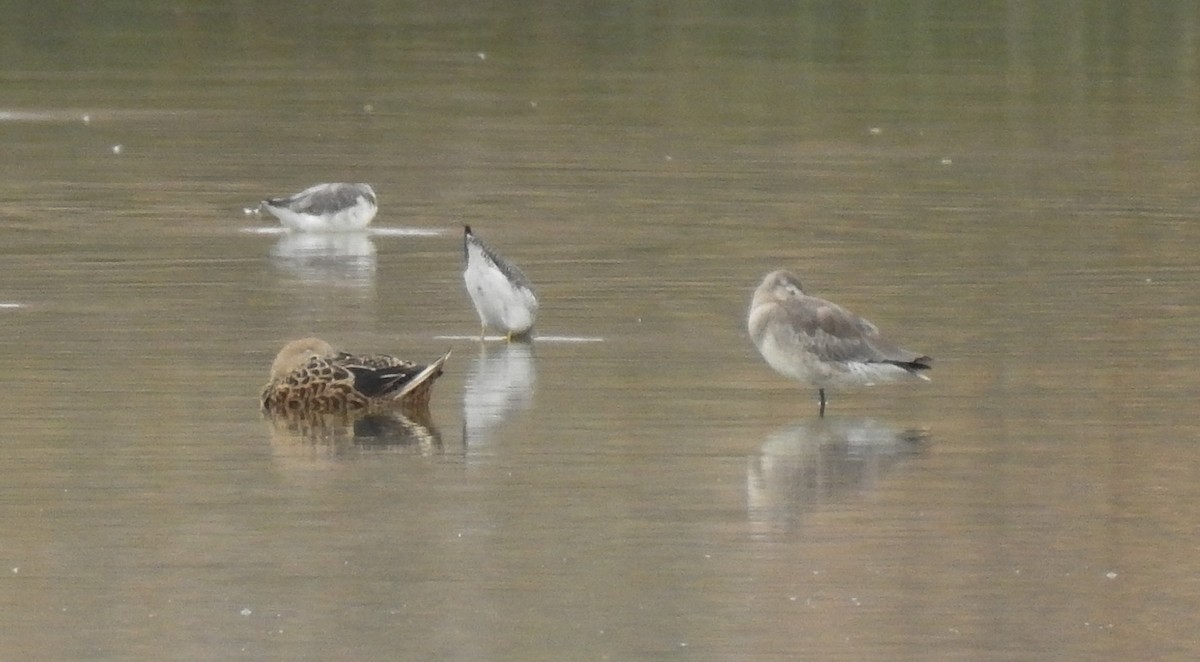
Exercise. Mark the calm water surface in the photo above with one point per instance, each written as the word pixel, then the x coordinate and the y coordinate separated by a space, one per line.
pixel 1009 188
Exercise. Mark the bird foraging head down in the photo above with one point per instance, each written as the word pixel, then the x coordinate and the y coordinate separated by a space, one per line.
pixel 818 342
pixel 502 295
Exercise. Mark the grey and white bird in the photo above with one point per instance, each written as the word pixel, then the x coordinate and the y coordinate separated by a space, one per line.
pixel 819 342
pixel 336 207
pixel 502 295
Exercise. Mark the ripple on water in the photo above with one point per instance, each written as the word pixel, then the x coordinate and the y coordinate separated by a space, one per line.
pixel 539 339
pixel 372 232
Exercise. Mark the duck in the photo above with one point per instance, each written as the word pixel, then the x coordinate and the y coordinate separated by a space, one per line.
pixel 818 342
pixel 502 295
pixel 309 375
pixel 330 207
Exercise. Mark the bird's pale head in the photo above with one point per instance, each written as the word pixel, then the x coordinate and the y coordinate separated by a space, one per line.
pixel 778 286
pixel 297 353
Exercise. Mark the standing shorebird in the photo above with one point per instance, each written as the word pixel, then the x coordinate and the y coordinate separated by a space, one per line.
pixel 816 341
pixel 502 295
pixel 326 208
pixel 308 375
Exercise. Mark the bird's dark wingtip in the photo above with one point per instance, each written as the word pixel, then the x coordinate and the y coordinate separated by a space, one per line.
pixel 915 366
pixel 918 366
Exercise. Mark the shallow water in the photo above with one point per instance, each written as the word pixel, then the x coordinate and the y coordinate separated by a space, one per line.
pixel 1014 198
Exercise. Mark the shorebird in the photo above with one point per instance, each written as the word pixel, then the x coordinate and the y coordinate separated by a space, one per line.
pixel 819 342
pixel 502 295
pixel 326 208
pixel 309 375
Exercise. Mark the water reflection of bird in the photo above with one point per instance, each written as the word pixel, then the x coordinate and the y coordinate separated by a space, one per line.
pixel 309 375
pixel 816 341
pixel 334 207
pixel 335 432
pixel 802 466
pixel 328 258
pixel 502 295
pixel 497 383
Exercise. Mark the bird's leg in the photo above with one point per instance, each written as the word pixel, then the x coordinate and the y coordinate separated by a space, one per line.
pixel 509 336
pixel 821 393
pixel 482 332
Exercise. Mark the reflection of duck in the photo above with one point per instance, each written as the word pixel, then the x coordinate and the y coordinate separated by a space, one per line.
pixel 332 433
pixel 817 341
pixel 309 375
pixel 333 207
pixel 344 257
pixel 499 382
pixel 803 466
pixel 502 295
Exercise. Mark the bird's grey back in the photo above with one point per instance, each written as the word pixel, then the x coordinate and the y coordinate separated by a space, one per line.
pixel 836 334
pixel 327 199
pixel 510 270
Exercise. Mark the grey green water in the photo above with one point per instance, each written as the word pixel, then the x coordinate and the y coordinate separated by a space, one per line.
pixel 1009 187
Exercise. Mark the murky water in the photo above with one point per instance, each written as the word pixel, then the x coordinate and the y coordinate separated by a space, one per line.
pixel 1009 188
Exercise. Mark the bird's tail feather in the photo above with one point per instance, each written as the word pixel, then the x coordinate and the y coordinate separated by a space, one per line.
pixel 431 371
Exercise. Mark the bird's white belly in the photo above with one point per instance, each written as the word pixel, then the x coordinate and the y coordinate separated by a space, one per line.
pixel 500 304
pixel 797 364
